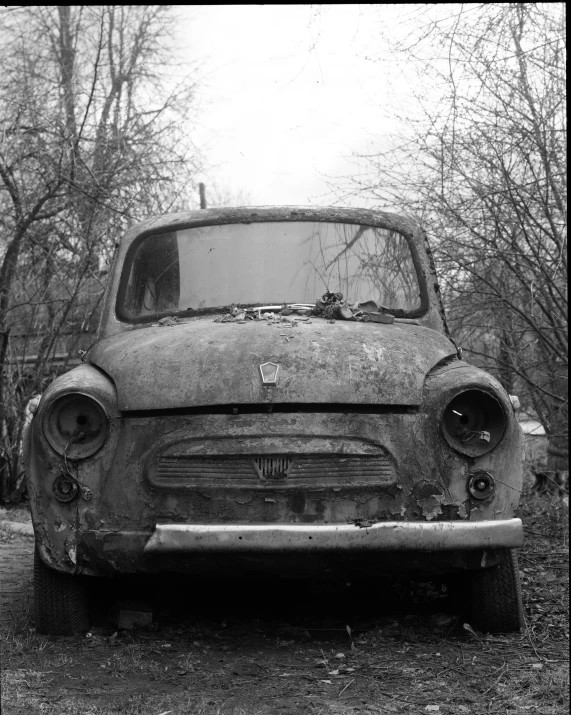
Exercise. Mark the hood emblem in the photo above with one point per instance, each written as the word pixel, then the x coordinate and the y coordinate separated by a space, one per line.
pixel 269 374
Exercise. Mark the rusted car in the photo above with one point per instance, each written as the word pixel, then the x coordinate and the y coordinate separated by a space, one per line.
pixel 277 389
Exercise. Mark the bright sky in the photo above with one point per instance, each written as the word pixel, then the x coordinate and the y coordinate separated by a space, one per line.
pixel 290 92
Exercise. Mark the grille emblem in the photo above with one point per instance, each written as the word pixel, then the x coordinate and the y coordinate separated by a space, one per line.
pixel 269 374
pixel 273 467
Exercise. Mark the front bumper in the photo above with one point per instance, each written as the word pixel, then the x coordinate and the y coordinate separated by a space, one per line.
pixel 385 536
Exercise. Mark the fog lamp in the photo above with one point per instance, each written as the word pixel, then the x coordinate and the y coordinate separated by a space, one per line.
pixel 481 485
pixel 65 489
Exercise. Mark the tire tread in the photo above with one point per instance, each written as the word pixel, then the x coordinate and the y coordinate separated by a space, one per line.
pixel 60 601
pixel 497 596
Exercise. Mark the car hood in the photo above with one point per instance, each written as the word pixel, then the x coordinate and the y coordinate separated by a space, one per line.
pixel 200 362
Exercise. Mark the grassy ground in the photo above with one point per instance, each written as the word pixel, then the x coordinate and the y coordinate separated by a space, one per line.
pixel 20 513
pixel 259 649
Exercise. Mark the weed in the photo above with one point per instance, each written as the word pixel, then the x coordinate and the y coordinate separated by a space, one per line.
pixel 400 662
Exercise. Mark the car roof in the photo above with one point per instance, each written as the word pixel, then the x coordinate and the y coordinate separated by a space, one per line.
pixel 249 214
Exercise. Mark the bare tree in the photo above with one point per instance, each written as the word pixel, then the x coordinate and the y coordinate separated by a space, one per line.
pixel 94 135
pixel 483 166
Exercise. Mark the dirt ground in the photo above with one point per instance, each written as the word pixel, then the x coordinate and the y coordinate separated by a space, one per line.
pixel 264 647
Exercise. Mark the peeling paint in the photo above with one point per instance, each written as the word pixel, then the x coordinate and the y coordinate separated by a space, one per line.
pixel 374 354
pixel 460 505
pixel 431 506
pixel 71 551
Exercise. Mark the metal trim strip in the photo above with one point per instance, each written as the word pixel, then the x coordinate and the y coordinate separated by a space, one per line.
pixel 383 536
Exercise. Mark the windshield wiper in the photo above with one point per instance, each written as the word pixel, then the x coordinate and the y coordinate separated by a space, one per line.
pixel 281 306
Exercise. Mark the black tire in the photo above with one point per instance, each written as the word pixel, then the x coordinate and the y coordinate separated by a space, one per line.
pixel 496 599
pixel 60 602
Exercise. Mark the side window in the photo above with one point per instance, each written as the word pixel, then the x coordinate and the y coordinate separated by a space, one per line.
pixel 154 280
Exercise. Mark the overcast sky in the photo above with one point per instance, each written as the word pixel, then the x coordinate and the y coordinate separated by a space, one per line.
pixel 289 93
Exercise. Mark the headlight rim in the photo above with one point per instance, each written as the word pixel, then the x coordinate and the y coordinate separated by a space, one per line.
pixel 74 450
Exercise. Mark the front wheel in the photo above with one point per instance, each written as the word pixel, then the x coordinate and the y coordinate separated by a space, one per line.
pixel 60 601
pixel 496 599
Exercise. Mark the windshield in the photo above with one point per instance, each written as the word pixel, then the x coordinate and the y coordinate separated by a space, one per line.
pixel 200 269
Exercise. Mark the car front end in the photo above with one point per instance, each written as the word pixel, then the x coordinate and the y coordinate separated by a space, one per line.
pixel 230 435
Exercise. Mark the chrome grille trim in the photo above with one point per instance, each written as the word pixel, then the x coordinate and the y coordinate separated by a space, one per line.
pixel 311 470
pixel 273 467
pixel 189 467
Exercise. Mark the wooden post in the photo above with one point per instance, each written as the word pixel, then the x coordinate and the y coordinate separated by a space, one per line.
pixel 202 192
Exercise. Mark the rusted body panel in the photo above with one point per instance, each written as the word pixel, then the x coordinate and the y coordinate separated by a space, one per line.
pixel 201 362
pixel 425 480
pixel 505 462
pixel 56 524
pixel 355 423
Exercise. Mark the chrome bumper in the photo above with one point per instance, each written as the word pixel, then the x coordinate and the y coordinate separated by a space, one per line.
pixel 384 536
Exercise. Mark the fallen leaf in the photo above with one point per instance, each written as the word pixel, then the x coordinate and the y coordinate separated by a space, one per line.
pixel 325 681
pixel 442 620
pixel 333 672
pixel 340 656
pixel 539 666
pixel 169 320
pixel 468 627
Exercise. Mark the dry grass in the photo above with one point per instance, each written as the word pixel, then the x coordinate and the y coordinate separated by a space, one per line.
pixel 400 662
pixel 20 513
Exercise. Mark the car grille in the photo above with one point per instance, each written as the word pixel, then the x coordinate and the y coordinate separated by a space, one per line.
pixel 303 470
pixel 273 467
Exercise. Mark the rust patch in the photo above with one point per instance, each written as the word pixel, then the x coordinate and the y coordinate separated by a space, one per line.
pixel 460 506
pixel 431 506
pixel 71 550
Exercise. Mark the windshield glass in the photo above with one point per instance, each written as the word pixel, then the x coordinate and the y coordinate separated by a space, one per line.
pixel 198 269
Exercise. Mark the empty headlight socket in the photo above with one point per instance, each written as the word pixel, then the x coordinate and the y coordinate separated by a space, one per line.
pixel 76 425
pixel 473 422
